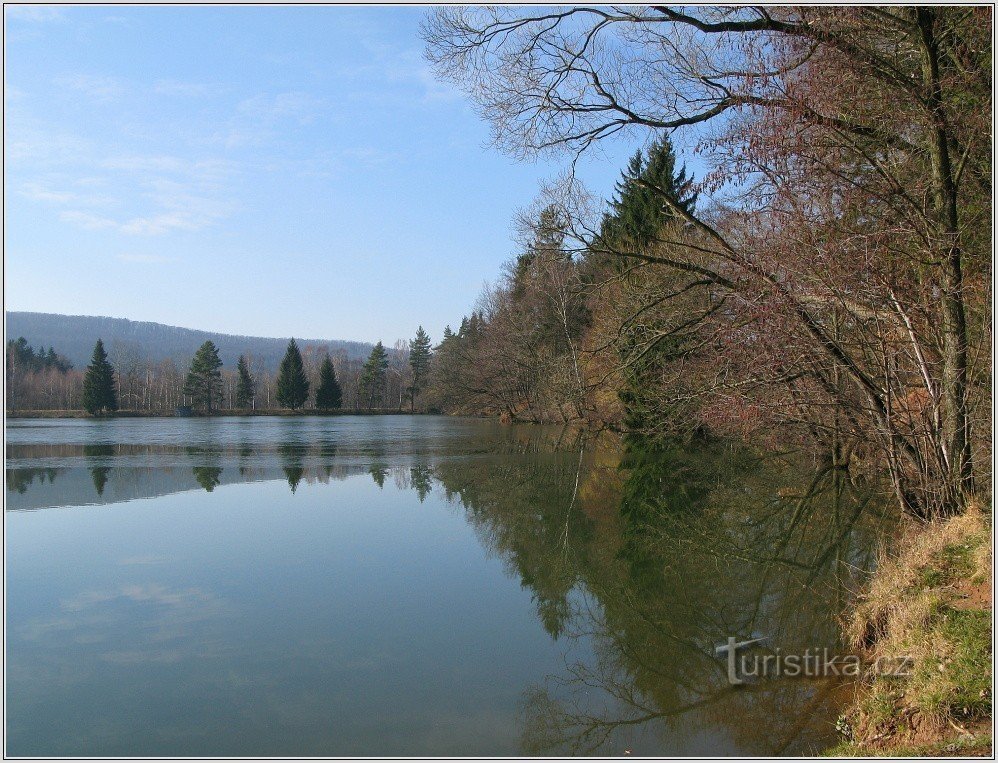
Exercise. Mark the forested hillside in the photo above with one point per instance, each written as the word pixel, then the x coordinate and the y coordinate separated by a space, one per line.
pixel 74 336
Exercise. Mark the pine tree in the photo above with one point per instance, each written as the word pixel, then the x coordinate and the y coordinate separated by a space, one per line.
pixel 204 379
pixel 98 383
pixel 637 216
pixel 328 395
pixel 372 378
pixel 292 384
pixel 419 360
pixel 638 212
pixel 245 388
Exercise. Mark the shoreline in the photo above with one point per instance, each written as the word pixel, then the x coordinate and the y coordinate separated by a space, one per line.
pixel 269 412
pixel 930 600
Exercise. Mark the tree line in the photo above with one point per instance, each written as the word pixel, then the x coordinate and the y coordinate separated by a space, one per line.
pixel 827 280
pixel 390 379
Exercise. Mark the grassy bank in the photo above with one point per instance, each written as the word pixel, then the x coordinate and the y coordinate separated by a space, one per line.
pixel 126 414
pixel 932 602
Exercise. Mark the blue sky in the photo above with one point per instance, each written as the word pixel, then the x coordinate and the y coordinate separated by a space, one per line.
pixel 270 171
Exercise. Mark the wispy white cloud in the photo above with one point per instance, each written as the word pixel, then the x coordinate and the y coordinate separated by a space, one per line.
pixel 60 191
pixel 294 105
pixel 164 194
pixel 409 68
pixel 33 13
pixel 86 220
pixel 97 87
pixel 405 68
pixel 368 155
pixel 188 213
pixel 145 259
pixel 38 192
pixel 184 89
pixel 156 225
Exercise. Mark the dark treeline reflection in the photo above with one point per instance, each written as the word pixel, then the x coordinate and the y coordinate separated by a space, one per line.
pixel 124 471
pixel 639 560
pixel 656 558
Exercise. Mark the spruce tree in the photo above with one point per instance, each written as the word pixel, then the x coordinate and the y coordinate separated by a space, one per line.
pixel 636 217
pixel 245 388
pixel 204 379
pixel 98 383
pixel 372 378
pixel 419 360
pixel 639 210
pixel 292 384
pixel 328 395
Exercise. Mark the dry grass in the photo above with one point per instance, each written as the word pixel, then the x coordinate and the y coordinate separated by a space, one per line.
pixel 931 602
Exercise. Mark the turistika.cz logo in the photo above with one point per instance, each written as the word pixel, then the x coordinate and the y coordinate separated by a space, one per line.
pixel 820 662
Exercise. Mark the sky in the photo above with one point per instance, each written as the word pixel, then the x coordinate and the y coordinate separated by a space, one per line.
pixel 269 171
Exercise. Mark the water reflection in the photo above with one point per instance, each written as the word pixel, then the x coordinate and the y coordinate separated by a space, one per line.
pixel 655 561
pixel 638 562
pixel 19 480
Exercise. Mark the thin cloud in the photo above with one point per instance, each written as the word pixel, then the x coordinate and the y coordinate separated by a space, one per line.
pixel 148 259
pixel 97 87
pixel 56 193
pixel 184 89
pixel 87 220
pixel 157 225
pixel 33 13
pixel 295 105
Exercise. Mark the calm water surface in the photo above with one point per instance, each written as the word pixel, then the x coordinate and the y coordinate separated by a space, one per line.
pixel 411 586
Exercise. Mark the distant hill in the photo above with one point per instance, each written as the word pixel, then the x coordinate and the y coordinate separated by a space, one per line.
pixel 74 335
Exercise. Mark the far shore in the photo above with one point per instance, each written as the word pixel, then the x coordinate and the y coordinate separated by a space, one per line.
pixel 133 414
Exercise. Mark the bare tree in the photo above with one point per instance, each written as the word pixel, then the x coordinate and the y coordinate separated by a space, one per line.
pixel 850 181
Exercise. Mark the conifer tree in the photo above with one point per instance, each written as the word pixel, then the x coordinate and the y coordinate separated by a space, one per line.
pixel 245 388
pixel 637 216
pixel 419 360
pixel 372 378
pixel 328 395
pixel 204 379
pixel 638 212
pixel 98 383
pixel 292 383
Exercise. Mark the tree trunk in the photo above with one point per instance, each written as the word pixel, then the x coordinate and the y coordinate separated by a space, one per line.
pixel 955 419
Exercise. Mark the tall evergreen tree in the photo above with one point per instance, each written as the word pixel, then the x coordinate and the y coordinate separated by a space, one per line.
pixel 204 379
pixel 636 217
pixel 638 212
pixel 328 395
pixel 372 378
pixel 245 388
pixel 98 383
pixel 292 383
pixel 419 360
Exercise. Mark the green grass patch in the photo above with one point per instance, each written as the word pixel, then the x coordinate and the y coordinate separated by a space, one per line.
pixel 951 564
pixel 957 683
pixel 930 603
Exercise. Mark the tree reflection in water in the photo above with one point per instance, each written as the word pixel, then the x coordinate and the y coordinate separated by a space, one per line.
pixel 639 561
pixel 654 559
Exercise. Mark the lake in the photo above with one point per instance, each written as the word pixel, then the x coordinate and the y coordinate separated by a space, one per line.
pixel 396 585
